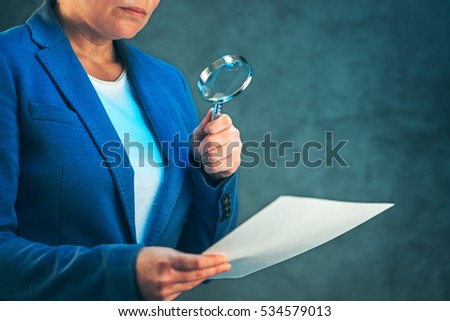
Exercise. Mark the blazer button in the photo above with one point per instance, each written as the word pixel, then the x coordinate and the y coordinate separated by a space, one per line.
pixel 226 214
pixel 225 200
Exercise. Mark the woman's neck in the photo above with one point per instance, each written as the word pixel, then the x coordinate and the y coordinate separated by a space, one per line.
pixel 96 53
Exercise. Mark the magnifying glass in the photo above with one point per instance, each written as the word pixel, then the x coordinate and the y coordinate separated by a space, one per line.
pixel 223 80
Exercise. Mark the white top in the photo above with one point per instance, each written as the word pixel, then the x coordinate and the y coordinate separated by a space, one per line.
pixel 136 133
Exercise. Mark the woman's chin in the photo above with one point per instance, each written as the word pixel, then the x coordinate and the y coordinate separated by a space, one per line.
pixel 126 32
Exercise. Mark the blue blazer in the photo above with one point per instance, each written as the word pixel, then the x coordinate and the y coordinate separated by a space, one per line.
pixel 66 203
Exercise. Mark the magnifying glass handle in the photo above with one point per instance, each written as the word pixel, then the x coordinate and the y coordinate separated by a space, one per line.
pixel 216 111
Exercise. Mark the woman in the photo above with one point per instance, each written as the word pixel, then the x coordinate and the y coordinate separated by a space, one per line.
pixel 82 216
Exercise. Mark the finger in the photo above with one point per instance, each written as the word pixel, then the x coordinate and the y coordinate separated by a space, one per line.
pixel 218 125
pixel 221 153
pixel 178 288
pixel 201 274
pixel 226 166
pixel 186 280
pixel 212 142
pixel 200 130
pixel 186 262
pixel 172 297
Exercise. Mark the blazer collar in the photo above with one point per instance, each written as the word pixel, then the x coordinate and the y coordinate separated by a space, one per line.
pixel 45 28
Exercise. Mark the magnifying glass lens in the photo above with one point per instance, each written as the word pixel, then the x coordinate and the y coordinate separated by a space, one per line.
pixel 223 80
pixel 226 81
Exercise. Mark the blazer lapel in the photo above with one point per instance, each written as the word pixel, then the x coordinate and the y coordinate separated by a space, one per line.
pixel 69 76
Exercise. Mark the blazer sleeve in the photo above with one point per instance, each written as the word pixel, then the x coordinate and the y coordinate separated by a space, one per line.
pixel 34 271
pixel 215 207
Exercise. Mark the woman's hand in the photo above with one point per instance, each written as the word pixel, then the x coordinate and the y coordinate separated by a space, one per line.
pixel 163 273
pixel 217 145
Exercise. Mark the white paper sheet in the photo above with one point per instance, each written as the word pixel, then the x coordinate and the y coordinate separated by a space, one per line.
pixel 288 227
